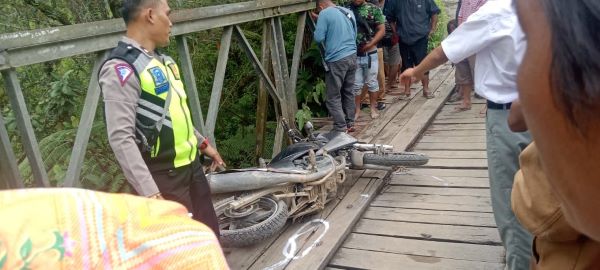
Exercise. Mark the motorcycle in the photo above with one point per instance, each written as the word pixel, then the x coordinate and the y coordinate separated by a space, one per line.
pixel 299 181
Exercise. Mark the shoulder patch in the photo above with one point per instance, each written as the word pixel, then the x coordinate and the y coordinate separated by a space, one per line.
pixel 160 80
pixel 124 72
pixel 175 71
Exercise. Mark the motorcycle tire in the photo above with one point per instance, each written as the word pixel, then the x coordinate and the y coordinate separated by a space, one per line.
pixel 396 159
pixel 245 236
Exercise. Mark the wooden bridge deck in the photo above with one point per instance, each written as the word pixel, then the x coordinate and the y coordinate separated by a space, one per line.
pixel 434 217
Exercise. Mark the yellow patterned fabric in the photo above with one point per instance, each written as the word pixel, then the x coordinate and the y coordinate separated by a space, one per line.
pixel 82 229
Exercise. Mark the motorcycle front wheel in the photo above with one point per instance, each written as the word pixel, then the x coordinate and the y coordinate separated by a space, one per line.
pixel 252 223
pixel 396 159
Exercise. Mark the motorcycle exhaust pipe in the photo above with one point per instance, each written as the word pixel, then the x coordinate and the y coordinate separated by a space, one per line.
pixel 372 147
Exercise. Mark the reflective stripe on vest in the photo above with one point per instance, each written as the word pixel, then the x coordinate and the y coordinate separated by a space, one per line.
pixel 156 80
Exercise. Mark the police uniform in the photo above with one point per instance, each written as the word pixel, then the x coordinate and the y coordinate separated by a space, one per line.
pixel 137 87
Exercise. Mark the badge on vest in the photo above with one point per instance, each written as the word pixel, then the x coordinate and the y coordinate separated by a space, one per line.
pixel 175 71
pixel 161 84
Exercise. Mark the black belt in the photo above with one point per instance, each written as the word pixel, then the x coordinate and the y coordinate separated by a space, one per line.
pixel 359 54
pixel 495 106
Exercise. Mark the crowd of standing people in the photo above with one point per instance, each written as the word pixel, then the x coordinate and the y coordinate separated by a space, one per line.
pixel 366 40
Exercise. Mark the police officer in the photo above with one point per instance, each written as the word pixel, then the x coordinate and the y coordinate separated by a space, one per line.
pixel 148 120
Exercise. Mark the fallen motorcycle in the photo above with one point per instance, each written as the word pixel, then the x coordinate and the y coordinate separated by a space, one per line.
pixel 299 181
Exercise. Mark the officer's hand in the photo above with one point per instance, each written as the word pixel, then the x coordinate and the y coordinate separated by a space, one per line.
pixel 218 164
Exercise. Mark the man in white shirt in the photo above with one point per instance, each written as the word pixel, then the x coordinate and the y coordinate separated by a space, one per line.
pixel 496 39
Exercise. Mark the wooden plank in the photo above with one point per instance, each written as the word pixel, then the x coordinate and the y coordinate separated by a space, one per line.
pixel 262 100
pixel 474 114
pixel 457 200
pixel 361 259
pixel 217 88
pixel 448 172
pixel 300 27
pixel 23 119
pixel 433 154
pixel 454 133
pixel 442 139
pixel 383 130
pixel 443 181
pixel 431 216
pixel 270 251
pixel 460 121
pixel 422 118
pixel 457 251
pixel 84 129
pixel 425 204
pixel 431 232
pixel 463 146
pixel 457 163
pixel 477 192
pixel 341 221
pixel 457 127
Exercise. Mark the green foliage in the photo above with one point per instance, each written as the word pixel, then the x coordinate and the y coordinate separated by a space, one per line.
pixel 440 33
pixel 240 147
pixel 100 170
pixel 304 115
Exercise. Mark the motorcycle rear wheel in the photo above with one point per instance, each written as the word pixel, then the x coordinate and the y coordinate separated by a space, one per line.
pixel 244 230
pixel 396 159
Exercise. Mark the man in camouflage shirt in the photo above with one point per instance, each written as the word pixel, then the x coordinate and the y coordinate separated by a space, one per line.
pixel 371 28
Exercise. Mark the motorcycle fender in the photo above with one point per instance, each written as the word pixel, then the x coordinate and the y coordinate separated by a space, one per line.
pixel 357 158
pixel 252 197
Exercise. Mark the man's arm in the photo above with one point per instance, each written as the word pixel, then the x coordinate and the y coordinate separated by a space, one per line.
pixel 378 36
pixel 207 149
pixel 516 120
pixel 320 29
pixel 433 26
pixel 121 91
pixel 434 59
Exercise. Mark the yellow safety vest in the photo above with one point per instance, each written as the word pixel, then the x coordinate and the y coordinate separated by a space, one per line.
pixel 176 145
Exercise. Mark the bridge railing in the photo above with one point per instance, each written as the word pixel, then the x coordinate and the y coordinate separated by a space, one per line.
pixel 38 46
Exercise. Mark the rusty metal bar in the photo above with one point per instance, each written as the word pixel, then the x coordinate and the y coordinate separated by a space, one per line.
pixel 190 83
pixel 219 78
pixel 85 125
pixel 9 170
pixel 30 143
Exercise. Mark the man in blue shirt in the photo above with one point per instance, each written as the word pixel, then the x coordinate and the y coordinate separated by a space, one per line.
pixel 336 29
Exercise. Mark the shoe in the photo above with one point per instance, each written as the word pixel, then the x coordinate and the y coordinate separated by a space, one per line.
pixel 380 106
pixel 374 115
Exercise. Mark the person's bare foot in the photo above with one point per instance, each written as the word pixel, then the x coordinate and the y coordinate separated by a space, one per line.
pixel 374 114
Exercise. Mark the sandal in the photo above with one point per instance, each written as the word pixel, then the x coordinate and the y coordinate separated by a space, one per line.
pixel 461 109
pixel 428 95
pixel 404 96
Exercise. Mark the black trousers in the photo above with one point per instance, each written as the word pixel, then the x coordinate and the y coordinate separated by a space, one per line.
pixel 188 186
pixel 413 54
